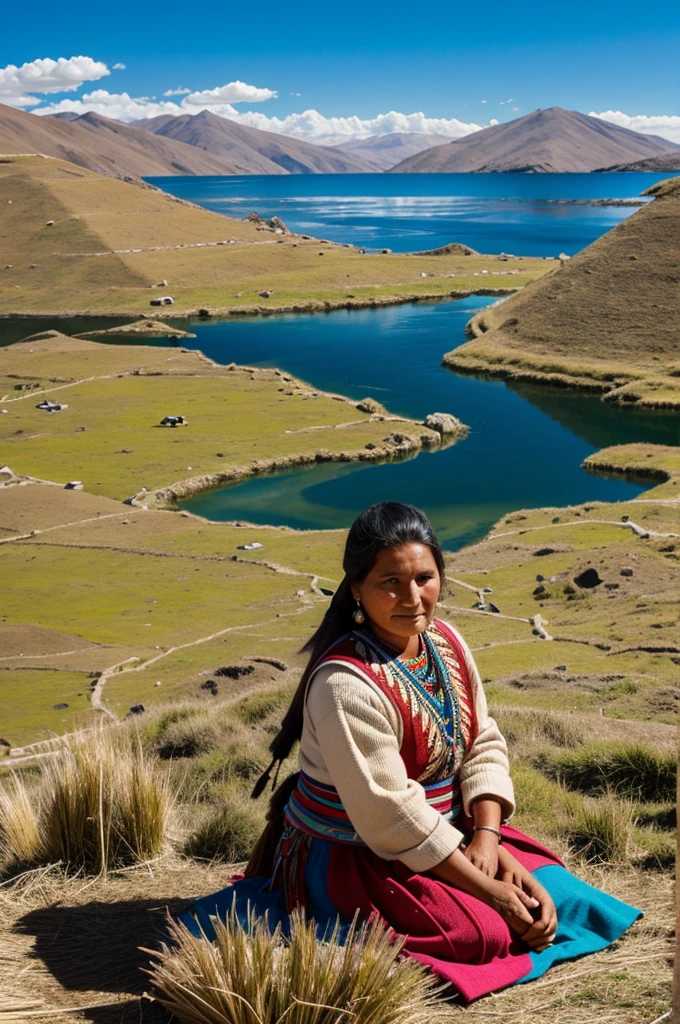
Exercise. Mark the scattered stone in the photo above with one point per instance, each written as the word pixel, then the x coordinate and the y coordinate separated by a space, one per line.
pixel 611 586
pixel 136 709
pixel 204 314
pixel 74 485
pixel 326 592
pixel 560 668
pixel 588 579
pixel 300 593
pixel 544 551
pixel 385 252
pixel 158 683
pixel 265 293
pixel 624 519
pixel 250 547
pixel 370 446
pixel 50 223
pixel 443 423
pixel 539 578
pixel 626 572
pixel 59 707
pixel 493 608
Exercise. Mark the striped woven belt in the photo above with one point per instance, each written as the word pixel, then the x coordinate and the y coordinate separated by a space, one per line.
pixel 316 809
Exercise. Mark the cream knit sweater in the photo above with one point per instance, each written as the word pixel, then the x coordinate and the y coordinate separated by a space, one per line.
pixel 351 739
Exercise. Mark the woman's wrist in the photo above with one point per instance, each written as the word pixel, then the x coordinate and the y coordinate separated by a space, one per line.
pixel 488 832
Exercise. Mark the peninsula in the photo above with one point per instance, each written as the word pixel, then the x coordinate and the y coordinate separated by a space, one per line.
pixel 607 320
pixel 76 242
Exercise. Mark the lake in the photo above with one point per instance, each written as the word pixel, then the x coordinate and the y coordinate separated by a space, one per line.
pixel 524 449
pixel 524 214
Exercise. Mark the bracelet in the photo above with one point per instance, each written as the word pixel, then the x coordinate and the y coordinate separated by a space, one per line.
pixel 488 828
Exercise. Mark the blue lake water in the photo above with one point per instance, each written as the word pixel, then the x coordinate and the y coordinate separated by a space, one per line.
pixel 524 214
pixel 524 449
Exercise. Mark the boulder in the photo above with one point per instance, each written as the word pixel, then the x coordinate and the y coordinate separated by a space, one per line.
pixel 588 579
pixel 443 423
pixel 369 405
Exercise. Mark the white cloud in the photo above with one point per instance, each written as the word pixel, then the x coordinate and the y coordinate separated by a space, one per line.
pixel 119 106
pixel 504 102
pixel 179 91
pixel 234 92
pixel 46 76
pixel 665 125
pixel 313 126
pixel 119 67
pixel 309 125
pixel 482 101
pixel 515 108
pixel 295 94
pixel 493 122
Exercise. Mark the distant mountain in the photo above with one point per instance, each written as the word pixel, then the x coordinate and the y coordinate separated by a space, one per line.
pixel 660 164
pixel 103 145
pixel 384 151
pixel 553 140
pixel 251 151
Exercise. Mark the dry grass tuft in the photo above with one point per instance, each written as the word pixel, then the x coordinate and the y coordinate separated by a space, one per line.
pixel 100 804
pixel 254 976
pixel 19 829
pixel 103 805
pixel 525 728
pixel 632 770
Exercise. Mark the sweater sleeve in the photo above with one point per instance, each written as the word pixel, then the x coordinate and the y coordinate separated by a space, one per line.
pixel 486 769
pixel 351 726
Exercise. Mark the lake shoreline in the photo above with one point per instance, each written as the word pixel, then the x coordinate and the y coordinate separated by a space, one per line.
pixel 310 306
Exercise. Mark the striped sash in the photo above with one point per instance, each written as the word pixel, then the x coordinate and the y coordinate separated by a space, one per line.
pixel 316 809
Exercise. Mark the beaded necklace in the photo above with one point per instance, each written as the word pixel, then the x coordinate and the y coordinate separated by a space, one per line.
pixel 428 676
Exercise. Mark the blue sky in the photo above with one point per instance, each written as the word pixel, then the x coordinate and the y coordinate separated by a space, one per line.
pixel 359 60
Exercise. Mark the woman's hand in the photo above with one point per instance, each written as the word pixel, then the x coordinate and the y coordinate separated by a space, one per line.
pixel 542 931
pixel 515 906
pixel 482 851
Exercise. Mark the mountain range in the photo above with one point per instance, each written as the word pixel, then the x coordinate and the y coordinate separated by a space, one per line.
pixel 547 141
pixel 250 150
pixel 385 151
pixel 553 140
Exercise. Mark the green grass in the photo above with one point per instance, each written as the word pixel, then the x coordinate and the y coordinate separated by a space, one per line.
pixel 631 770
pixel 228 833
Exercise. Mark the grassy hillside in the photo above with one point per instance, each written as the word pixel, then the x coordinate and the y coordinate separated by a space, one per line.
pixel 607 320
pixel 240 421
pixel 113 241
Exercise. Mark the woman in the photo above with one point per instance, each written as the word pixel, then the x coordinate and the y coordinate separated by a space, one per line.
pixel 401 804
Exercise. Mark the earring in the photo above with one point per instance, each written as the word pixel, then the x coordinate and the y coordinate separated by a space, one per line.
pixel 358 615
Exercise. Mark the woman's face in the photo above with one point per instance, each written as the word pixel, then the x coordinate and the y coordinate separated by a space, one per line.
pixel 400 593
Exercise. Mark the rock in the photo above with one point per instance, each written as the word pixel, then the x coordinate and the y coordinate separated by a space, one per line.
pixel 322 254
pixel 369 405
pixel 544 551
pixel 540 578
pixel 624 519
pixel 626 572
pixel 587 579
pixel 560 668
pixel 136 709
pixel 50 223
pixel 158 683
pixel 300 593
pixel 611 586
pixel 266 293
pixel 204 313
pixel 385 252
pixel 443 423
pixel 74 485
pixel 493 608
pixel 59 707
